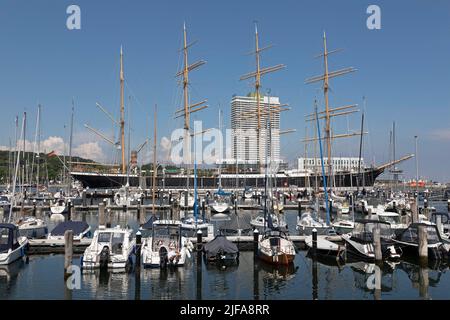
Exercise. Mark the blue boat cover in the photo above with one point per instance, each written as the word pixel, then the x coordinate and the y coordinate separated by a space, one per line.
pixel 76 226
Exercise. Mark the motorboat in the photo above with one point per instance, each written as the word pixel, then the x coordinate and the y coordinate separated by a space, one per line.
pixel 219 205
pixel 261 222
pixel 191 225
pixel 80 230
pixel 393 218
pixel 344 225
pixel 248 193
pixel 125 197
pixel 12 245
pixel 326 247
pixel 166 246
pixel 110 248
pixel 221 250
pixel 58 206
pixel 307 222
pixel 408 240
pixel 221 202
pixel 32 228
pixel 360 240
pixel 275 247
pixel 5 202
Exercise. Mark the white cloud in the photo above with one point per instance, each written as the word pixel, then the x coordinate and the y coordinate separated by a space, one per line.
pixel 89 150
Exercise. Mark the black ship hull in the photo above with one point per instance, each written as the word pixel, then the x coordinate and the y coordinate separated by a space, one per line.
pixel 344 180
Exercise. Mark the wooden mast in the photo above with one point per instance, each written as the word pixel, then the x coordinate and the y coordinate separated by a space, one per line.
pixel 187 108
pixel 328 113
pixel 122 113
pixel 257 75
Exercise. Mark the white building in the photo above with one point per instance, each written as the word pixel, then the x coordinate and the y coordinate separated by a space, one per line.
pixel 244 124
pixel 338 164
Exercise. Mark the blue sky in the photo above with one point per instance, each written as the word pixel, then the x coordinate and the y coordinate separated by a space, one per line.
pixel 403 69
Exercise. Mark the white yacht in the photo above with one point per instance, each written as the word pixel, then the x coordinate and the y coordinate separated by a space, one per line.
pixel 306 223
pixel 166 246
pixel 12 245
pixel 260 222
pixel 58 206
pixel 110 248
pixel 32 228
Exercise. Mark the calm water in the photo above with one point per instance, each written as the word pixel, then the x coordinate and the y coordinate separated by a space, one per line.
pixel 42 277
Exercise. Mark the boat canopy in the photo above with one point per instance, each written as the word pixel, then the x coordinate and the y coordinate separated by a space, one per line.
pixel 220 244
pixel 9 234
pixel 76 226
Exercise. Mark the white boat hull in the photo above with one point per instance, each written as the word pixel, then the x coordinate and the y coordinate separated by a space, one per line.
pixel 13 255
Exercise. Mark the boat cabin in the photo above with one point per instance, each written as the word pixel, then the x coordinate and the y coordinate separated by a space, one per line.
pixel 9 237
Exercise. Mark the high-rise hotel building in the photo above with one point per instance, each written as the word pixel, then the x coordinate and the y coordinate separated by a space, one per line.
pixel 244 125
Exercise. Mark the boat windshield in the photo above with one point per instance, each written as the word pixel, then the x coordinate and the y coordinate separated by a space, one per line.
pixel 3 198
pixel 364 231
pixel 104 237
pixel 117 242
pixel 4 239
pixel 390 219
pixel 411 235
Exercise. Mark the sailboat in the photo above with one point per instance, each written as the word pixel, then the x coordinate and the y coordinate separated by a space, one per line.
pixel 221 202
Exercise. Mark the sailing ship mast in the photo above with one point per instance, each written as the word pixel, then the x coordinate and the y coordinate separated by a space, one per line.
pixel 122 112
pixel 330 112
pixel 257 75
pixel 187 107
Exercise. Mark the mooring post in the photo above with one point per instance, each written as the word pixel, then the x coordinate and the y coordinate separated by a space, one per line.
pixel 448 205
pixel 314 242
pixel 34 207
pixel 423 244
pixel 108 218
pixel 2 212
pixel 299 209
pixel 439 224
pixel 369 213
pixel 199 241
pixel 138 249
pixel 92 198
pixel 69 210
pixel 235 206
pixel 377 244
pixel 414 213
pixel 68 251
pixel 203 209
pixel 255 242
pixel 139 212
pixel 101 214
pixel 83 197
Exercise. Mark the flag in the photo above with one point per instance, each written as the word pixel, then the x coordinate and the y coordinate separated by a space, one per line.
pixel 51 154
